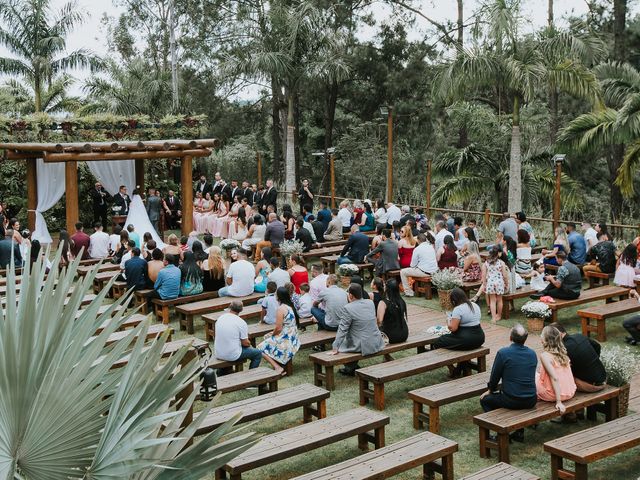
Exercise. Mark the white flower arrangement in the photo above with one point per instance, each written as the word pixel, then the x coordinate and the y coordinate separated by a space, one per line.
pixel 116 208
pixel 619 363
pixel 229 244
pixel 438 330
pixel 446 279
pixel 291 247
pixel 536 310
pixel 348 269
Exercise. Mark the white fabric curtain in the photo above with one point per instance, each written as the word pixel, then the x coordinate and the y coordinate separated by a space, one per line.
pixel 51 187
pixel 114 173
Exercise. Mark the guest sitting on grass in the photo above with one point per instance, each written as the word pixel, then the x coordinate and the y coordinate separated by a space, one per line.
pixel 554 379
pixel 566 285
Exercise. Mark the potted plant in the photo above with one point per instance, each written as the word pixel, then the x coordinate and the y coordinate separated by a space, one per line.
pixel 229 244
pixel 290 247
pixel 620 368
pixel 536 313
pixel 346 271
pixel 446 280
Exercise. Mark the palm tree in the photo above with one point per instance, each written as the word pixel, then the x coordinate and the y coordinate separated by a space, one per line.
pixel 67 413
pixel 513 70
pixel 54 98
pixel 36 37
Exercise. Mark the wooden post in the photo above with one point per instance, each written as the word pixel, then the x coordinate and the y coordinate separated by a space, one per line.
pixel 487 218
pixel 390 155
pixel 32 193
pixel 71 188
pixel 556 199
pixel 428 188
pixel 186 184
pixel 140 175
pixel 332 170
pixel 259 160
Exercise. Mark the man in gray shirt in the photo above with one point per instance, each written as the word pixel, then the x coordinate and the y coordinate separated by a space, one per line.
pixel 334 299
pixel 273 235
pixel 508 226
pixel 566 285
pixel 358 330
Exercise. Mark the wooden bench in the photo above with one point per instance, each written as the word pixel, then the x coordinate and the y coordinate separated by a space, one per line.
pixel 592 444
pixel 324 362
pixel 607 293
pixel 391 274
pixel 504 421
pixel 118 289
pixel 422 286
pixel 435 396
pixel 198 306
pixel 508 298
pixel 161 307
pixel 140 297
pixel 83 270
pixel 152 332
pixel 321 252
pixel 501 471
pixel 380 374
pixel 210 319
pixel 169 348
pixel 102 310
pixel 309 436
pixel 598 279
pixel 102 278
pixel 312 399
pixel 601 313
pixel 266 379
pixel 433 452
pixel 129 322
pixel 329 265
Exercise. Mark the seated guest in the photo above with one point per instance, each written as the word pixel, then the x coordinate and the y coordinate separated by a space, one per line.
pixel 406 215
pixel 133 235
pixel 523 224
pixel 114 240
pixel 277 274
pixel 191 276
pixel 392 313
pixel 298 272
pixel 305 301
pixel 273 235
pixel 232 338
pixel 334 228
pixel 99 243
pixel 394 214
pixel 135 271
pixel 388 250
pixel 584 353
pixel 9 250
pixel 406 245
pixel 441 234
pixel 560 244
pixel 263 269
pixel 554 379
pixel 213 277
pixel 508 226
pixel 358 329
pixel 566 285
pixel 377 291
pixel 173 247
pixel 632 324
pixel 269 304
pixel 318 282
pixel 198 252
pixel 255 234
pixel 324 214
pixel 80 241
pixel 472 264
pixel 155 265
pixel 208 242
pixel 590 235
pixel 446 255
pixel 460 240
pixel 423 262
pixel 333 298
pixel 381 214
pixel 356 248
pixel 577 245
pixel 514 369
pixel 626 270
pixel 150 246
pixel 279 347
pixel 344 215
pixel 240 278
pixel 464 324
pixel 307 225
pixel 523 265
pixel 127 255
pixel 303 235
pixel 318 229
pixel 167 285
pixel 367 221
pixel 602 256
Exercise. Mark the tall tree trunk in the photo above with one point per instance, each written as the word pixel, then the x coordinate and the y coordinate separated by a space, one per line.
pixel 329 118
pixel 174 57
pixel 290 159
pixel 550 14
pixel 617 152
pixel 515 162
pixel 276 136
pixel 37 93
pixel 554 123
pixel 460 39
pixel 296 136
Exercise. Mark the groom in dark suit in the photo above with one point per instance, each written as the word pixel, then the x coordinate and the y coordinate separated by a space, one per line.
pixel 122 200
pixel 172 207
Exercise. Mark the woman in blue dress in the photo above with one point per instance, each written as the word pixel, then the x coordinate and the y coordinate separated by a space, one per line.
pixel 280 346
pixel 263 269
pixel 560 244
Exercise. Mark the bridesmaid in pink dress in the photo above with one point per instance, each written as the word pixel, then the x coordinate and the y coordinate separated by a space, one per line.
pixel 219 220
pixel 212 212
pixel 230 221
pixel 198 203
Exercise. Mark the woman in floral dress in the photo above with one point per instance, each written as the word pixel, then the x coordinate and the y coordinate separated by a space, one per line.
pixel 279 347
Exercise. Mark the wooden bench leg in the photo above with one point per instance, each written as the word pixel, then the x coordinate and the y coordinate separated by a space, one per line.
pixel 320 411
pixel 485 451
pixel 207 332
pixel 378 437
pixel 378 396
pixel 556 467
pixel 418 412
pixel 288 368
pixel 189 321
pixel 602 330
pixel 434 419
pixel 364 390
pixel 427 471
pixel 611 409
pixel 165 314
pixel 503 447
pixel 318 375
pixel 506 309
pixel 447 467
pixel 428 292
pixel 221 474
pixel 582 472
pixel 585 326
pixel 482 364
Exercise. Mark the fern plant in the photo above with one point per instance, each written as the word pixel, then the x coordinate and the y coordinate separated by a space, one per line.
pixel 65 413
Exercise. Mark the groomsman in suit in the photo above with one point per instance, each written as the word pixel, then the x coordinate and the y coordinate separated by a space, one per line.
pixel 217 185
pixel 235 190
pixel 154 207
pixel 122 200
pixel 225 189
pixel 100 197
pixel 172 207
pixel 203 186
pixel 247 192
pixel 270 197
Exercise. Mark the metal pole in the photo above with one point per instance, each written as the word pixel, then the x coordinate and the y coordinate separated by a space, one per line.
pixel 259 159
pixel 332 170
pixel 390 155
pixel 556 200
pixel 428 188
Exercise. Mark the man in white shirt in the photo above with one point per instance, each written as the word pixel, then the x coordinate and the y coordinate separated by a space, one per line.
pixel 99 243
pixel 232 338
pixel 278 275
pixel 423 264
pixel 441 232
pixel 127 256
pixel 240 278
pixel 114 239
pixel 393 214
pixel 344 215
pixel 590 235
pixel 318 283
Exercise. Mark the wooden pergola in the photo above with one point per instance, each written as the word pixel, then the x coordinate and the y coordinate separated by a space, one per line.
pixel 139 151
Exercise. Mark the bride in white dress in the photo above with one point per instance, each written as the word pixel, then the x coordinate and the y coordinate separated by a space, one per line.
pixel 139 218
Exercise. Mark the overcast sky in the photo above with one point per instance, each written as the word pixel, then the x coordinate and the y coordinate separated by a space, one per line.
pixel 92 36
